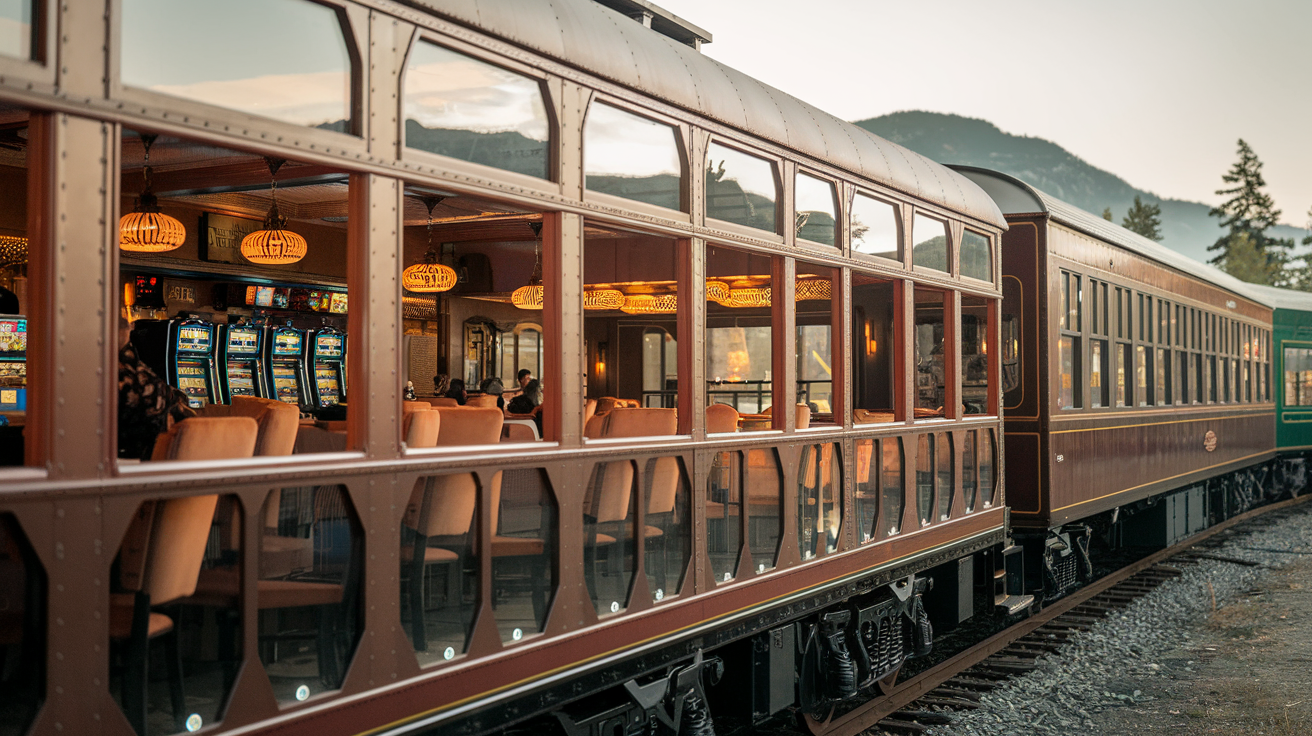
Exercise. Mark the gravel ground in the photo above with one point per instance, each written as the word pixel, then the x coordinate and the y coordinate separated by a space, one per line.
pixel 1108 679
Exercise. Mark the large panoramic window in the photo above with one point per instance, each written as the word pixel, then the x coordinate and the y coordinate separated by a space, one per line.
pixel 292 62
pixel 931 243
pixel 816 217
pixel 874 228
pixel 458 106
pixel 739 337
pixel 632 157
pixel 976 258
pixel 740 188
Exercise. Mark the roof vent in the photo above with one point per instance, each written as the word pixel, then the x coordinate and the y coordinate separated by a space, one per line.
pixel 660 20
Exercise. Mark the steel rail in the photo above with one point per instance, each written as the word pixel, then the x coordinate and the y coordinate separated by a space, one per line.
pixel 905 693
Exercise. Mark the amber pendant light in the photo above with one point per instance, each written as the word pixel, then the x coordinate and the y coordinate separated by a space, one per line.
pixel 274 244
pixel 530 297
pixel 429 276
pixel 146 229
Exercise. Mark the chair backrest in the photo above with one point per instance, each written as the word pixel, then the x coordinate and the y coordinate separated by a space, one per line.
pixel 469 425
pixel 278 422
pixel 721 418
pixel 589 410
pixel 592 430
pixel 436 401
pixel 803 416
pixel 608 500
pixel 451 503
pixel 409 406
pixel 520 433
pixel 177 547
pixel 631 422
pixel 208 438
pixel 421 428
pixel 482 400
pixel 664 485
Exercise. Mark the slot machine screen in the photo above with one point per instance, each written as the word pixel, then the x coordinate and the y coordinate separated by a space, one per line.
pixel 338 303
pixel 13 338
pixel 328 345
pixel 13 362
pixel 251 293
pixel 284 382
pixel 241 377
pixel 286 343
pixel 245 340
pixel 325 378
pixel 264 296
pixel 280 297
pixel 194 382
pixel 312 301
pixel 193 339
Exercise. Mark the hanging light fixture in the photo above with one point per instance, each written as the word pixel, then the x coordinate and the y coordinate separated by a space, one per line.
pixel 650 304
pixel 274 243
pixel 530 297
pixel 749 296
pixel 717 291
pixel 146 229
pixel 13 250
pixel 595 299
pixel 813 288
pixel 429 276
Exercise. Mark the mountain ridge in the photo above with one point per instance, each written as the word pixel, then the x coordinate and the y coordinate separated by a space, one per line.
pixel 956 139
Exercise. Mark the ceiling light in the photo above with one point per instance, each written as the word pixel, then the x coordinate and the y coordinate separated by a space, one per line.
pixel 429 276
pixel 146 229
pixel 530 297
pixel 274 244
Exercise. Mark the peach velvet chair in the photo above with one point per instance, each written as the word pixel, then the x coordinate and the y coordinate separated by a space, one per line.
pixel 721 418
pixel 420 428
pixel 442 508
pixel 482 401
pixel 441 401
pixel 161 556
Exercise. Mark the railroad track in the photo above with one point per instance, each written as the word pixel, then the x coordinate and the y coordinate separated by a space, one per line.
pixel 958 683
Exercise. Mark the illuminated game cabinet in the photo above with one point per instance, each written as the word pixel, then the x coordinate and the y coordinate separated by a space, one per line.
pixel 325 361
pixel 241 362
pixel 285 365
pixel 13 363
pixel 183 352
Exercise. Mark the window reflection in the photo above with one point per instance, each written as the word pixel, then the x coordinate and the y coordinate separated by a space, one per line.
pixel 765 508
pixel 740 188
pixel 931 243
pixel 815 375
pixel 874 228
pixel 974 355
pixel 817 216
pixel 632 157
pixel 724 517
pixel 293 63
pixel 891 482
pixel 819 491
pixel 22 625
pixel 739 336
pixel 976 259
pixel 18 29
pixel 461 107
pixel 930 354
pixel 667 536
pixel 874 307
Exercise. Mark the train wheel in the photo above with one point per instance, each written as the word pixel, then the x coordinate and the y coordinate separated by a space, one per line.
pixel 817 722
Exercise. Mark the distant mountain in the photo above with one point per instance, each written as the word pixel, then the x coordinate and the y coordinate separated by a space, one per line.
pixel 953 139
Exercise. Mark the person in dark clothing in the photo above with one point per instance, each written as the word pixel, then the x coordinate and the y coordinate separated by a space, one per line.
pixel 147 405
pixel 493 387
pixel 441 383
pixel 457 391
pixel 8 302
pixel 527 401
pixel 523 377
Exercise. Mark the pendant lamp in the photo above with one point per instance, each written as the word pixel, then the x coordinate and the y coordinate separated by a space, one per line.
pixel 274 244
pixel 429 276
pixel 594 299
pixel 717 291
pixel 530 297
pixel 146 229
pixel 813 288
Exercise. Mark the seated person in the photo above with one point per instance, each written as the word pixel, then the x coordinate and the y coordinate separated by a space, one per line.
pixel 456 391
pixel 523 377
pixel 492 387
pixel 528 402
pixel 147 404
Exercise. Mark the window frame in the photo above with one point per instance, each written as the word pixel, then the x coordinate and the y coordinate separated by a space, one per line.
pixel 777 164
pixel 682 131
pixel 899 214
pixel 835 187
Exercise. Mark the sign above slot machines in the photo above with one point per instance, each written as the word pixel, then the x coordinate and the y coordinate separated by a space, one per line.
pixel 298 300
pixel 221 236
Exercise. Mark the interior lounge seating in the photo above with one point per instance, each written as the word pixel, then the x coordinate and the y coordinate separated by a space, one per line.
pixel 721 418
pixel 161 556
pixel 441 508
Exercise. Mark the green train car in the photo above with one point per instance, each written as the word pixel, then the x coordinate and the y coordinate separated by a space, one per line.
pixel 1291 350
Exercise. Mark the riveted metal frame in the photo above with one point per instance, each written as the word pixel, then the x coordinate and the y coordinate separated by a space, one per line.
pixel 624 208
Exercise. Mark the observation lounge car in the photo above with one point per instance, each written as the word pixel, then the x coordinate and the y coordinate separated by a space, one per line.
pixel 1136 385
pixel 759 398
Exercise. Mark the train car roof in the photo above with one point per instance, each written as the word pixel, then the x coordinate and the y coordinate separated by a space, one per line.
pixel 1284 298
pixel 1015 197
pixel 589 36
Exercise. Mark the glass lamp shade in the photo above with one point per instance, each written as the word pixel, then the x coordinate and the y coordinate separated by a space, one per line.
pixel 603 299
pixel 814 289
pixel 752 296
pixel 717 291
pixel 150 232
pixel 13 250
pixel 648 304
pixel 527 297
pixel 273 246
pixel 428 278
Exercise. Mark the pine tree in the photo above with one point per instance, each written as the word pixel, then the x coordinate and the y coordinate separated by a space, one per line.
pixel 1107 214
pixel 1145 219
pixel 1248 210
pixel 1246 262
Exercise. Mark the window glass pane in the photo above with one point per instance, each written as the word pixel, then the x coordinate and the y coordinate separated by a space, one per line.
pixel 819 490
pixel 17 29
pixel 765 522
pixel 609 515
pixel 1122 369
pixel 892 494
pixel 925 478
pixel 1211 379
pixel 1098 384
pixel 724 514
pixel 867 488
pixel 739 336
pixel 1010 330
pixel 874 227
pixel 969 467
pixel 1142 369
pixel 814 342
pixel 1197 361
pixel 817 215
pixel 1076 305
pixel 740 188
pixel 631 156
pixel 943 466
pixel 874 309
pixel 1068 357
pixel 1298 371
pixel 292 65
pixel 439 566
pixel 976 258
pixel 458 106
pixel 667 539
pixel 988 450
pixel 16 299
pixel 930 243
pixel 23 678
pixel 975 355
pixel 1163 392
pixel 524 574
pixel 930 354
pixel 1182 377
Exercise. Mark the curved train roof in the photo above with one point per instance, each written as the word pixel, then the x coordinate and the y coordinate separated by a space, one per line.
pixel 1014 197
pixel 590 36
pixel 1283 298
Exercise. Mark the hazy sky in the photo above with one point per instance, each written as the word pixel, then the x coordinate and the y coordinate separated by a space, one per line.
pixel 1155 91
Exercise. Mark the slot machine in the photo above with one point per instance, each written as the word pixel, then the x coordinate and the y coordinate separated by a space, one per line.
pixel 325 361
pixel 284 361
pixel 182 352
pixel 13 363
pixel 241 361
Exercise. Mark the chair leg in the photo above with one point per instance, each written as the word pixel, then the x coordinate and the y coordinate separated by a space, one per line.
pixel 540 584
pixel 228 645
pixel 137 664
pixel 329 674
pixel 418 624
pixel 177 696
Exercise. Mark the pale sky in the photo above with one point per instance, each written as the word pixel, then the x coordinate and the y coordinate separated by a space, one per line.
pixel 1154 91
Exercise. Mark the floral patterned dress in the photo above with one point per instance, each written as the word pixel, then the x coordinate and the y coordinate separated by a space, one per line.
pixel 147 405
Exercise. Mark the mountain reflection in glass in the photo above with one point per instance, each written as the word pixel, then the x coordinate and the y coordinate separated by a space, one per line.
pixel 460 107
pixel 976 261
pixel 816 213
pixel 874 227
pixel 630 156
pixel 740 188
pixel 282 59
pixel 931 243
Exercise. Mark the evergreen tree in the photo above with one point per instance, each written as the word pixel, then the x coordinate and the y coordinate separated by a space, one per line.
pixel 1145 219
pixel 1308 240
pixel 1244 260
pixel 1248 211
pixel 1107 214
